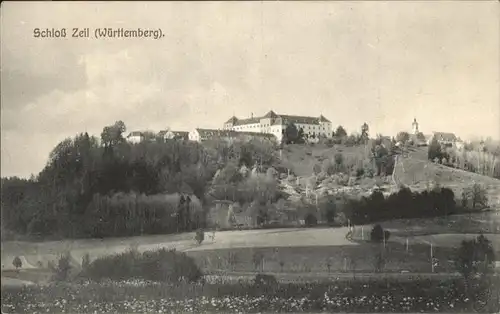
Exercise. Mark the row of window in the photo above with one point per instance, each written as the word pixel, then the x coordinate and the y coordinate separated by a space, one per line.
pixel 239 128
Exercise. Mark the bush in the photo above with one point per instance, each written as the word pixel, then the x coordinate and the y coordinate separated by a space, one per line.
pixel 200 236
pixel 265 280
pixel 341 179
pixel 339 159
pixel 61 271
pixel 377 233
pixel 475 257
pixel 85 261
pixel 17 262
pixel 360 172
pixel 311 220
pixel 160 265
pixel 328 167
pixel 316 169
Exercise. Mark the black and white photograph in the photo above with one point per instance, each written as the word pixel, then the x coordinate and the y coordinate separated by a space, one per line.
pixel 250 157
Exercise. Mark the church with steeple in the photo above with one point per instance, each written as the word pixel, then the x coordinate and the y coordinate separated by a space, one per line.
pixel 414 127
pixel 416 136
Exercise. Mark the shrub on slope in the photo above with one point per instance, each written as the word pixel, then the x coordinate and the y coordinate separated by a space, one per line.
pixel 161 265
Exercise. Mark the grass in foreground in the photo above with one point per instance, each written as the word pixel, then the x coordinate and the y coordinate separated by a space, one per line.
pixel 148 297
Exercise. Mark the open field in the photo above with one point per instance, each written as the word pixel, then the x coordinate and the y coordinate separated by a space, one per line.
pixel 305 250
pixel 317 268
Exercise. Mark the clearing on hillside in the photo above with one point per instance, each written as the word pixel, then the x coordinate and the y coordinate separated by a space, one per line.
pixel 414 171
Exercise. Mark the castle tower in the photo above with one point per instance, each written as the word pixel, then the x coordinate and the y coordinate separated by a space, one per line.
pixel 414 126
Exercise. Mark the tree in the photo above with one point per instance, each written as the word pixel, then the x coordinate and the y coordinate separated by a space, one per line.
pixel 85 261
pixel 200 236
pixel 291 133
pixel 434 150
pixel 364 133
pixel 403 137
pixel 340 132
pixel 62 269
pixel 339 160
pixel 379 262
pixel 113 134
pixel 300 136
pixel 475 258
pixel 311 220
pixel 149 136
pixel 330 210
pixel 258 260
pixel 282 264
pixel 383 162
pixel 232 260
pixel 377 233
pixel 478 197
pixel 187 210
pixel 231 218
pixel 262 216
pixel 317 169
pixel 17 263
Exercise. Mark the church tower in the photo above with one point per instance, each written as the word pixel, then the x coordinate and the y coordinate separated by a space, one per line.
pixel 414 126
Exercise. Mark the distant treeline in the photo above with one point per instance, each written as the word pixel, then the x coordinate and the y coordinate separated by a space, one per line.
pixel 406 204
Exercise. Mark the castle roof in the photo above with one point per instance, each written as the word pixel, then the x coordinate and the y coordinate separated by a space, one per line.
pixel 248 121
pixel 285 119
pixel 232 120
pixel 323 119
pixel 271 114
pixel 135 133
pixel 279 119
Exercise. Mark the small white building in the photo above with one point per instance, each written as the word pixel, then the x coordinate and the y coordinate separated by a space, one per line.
pixel 174 135
pixel 135 137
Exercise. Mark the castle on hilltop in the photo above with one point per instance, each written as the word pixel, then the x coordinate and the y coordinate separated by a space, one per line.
pixel 275 124
pixel 271 126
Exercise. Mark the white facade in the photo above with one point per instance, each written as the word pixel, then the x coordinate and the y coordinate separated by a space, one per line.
pixel 194 136
pixel 135 137
pixel 276 124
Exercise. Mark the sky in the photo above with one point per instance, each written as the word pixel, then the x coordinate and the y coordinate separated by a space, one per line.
pixel 382 63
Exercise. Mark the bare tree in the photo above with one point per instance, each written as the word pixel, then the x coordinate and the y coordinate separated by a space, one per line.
pixel 232 260
pixel 282 263
pixel 258 260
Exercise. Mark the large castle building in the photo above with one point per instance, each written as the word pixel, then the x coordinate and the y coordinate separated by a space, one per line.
pixel 273 123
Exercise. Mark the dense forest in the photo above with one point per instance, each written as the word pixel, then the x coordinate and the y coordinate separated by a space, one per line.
pixel 109 187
